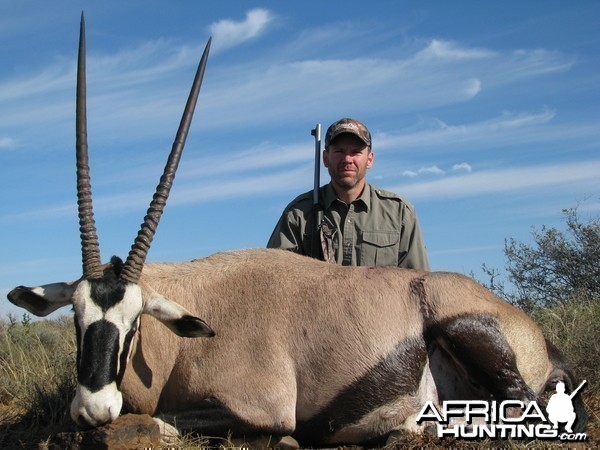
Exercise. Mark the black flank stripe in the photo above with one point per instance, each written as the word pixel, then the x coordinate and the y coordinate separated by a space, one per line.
pixel 398 374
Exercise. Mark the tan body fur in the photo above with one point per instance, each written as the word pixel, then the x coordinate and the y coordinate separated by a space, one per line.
pixel 291 332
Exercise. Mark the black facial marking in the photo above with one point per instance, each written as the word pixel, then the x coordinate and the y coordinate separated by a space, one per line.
pixel 98 356
pixel 398 374
pixel 107 291
pixel 477 342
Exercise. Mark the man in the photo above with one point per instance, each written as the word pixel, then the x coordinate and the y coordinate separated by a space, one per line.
pixel 362 225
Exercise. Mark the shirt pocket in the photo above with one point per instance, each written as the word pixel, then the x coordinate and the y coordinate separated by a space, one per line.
pixel 379 248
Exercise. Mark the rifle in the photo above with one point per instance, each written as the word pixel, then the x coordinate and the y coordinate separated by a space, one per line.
pixel 572 394
pixel 317 211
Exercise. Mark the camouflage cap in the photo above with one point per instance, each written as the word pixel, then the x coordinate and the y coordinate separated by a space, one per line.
pixel 348 125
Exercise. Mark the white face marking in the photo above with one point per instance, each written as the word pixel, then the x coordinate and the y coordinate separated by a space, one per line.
pixel 104 405
pixel 86 310
pixel 123 314
pixel 96 408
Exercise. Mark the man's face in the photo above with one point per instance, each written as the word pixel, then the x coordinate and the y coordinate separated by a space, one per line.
pixel 347 159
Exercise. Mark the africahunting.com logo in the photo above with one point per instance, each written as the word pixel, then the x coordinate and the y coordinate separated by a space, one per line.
pixel 476 419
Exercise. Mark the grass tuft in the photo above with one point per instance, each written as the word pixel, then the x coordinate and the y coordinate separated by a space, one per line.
pixel 37 378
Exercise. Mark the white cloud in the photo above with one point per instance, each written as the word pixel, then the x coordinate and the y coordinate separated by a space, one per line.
pixel 7 143
pixel 188 191
pixel 55 77
pixel 432 170
pixel 504 129
pixel 292 181
pixel 446 50
pixel 472 87
pixel 145 85
pixel 462 166
pixel 579 176
pixel 228 33
pixel 260 157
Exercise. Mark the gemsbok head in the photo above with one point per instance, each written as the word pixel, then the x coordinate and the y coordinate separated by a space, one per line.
pixel 107 299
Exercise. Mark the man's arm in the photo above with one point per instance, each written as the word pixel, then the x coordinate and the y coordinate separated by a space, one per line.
pixel 287 234
pixel 416 257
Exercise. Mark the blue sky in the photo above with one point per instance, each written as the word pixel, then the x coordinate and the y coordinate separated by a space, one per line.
pixel 485 115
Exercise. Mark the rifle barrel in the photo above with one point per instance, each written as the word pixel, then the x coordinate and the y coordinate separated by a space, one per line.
pixel 316 132
pixel 577 390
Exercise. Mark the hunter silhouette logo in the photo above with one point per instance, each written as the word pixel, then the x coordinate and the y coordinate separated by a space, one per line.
pixel 475 419
pixel 560 407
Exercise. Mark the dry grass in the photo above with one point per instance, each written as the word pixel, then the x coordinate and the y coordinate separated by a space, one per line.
pixel 37 380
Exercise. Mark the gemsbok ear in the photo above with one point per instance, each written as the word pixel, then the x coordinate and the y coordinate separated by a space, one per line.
pixel 42 300
pixel 178 319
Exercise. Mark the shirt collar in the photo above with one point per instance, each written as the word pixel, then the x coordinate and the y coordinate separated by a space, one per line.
pixel 330 196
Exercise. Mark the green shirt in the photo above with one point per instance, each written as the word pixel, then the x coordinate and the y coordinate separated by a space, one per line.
pixel 379 228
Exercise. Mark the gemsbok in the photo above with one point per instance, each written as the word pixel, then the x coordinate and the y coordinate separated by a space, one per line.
pixel 291 345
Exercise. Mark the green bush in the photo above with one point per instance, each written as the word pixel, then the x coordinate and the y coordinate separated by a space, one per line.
pixel 562 265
